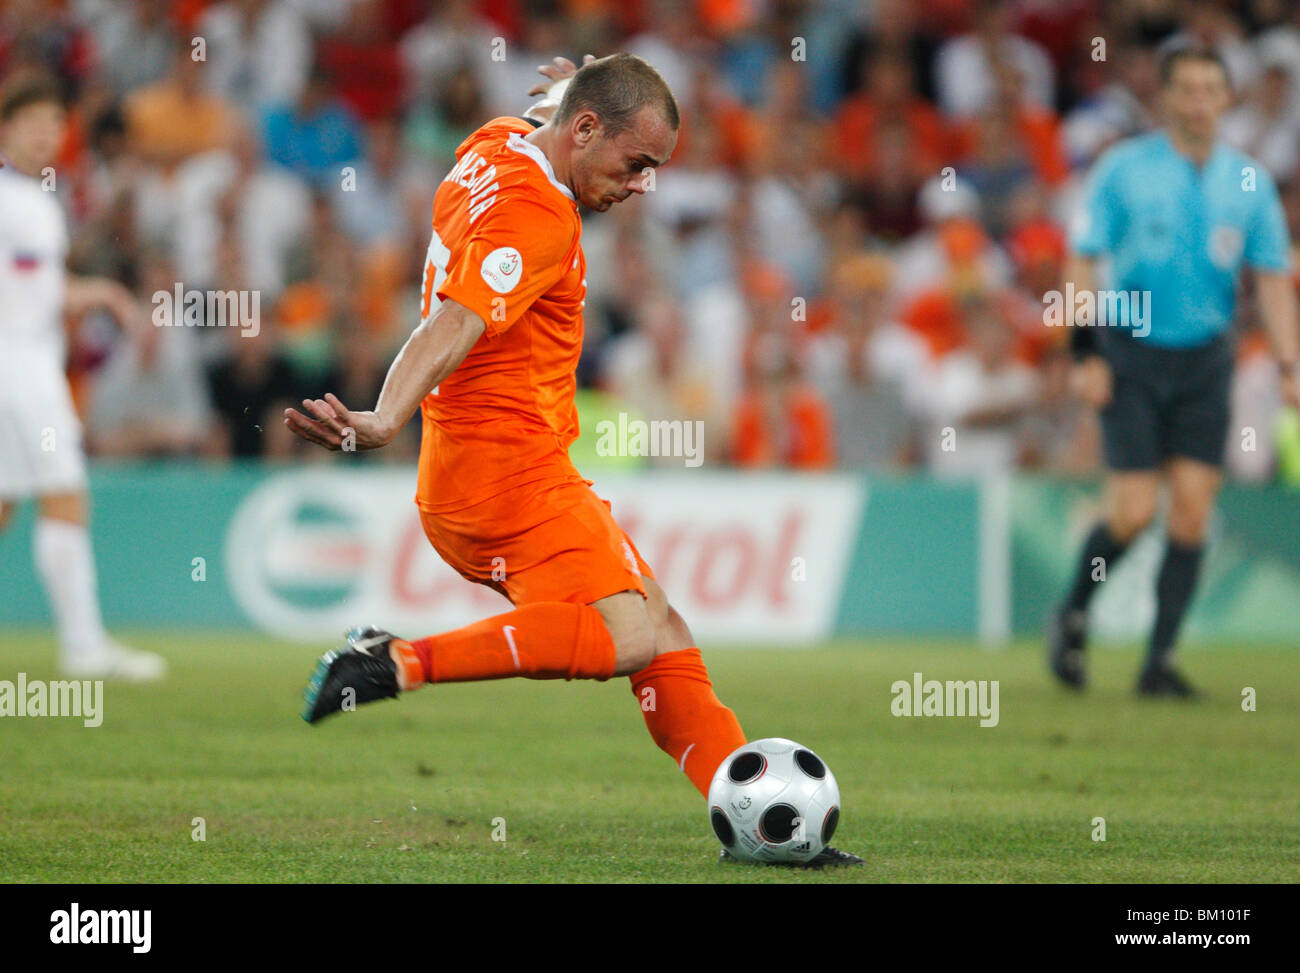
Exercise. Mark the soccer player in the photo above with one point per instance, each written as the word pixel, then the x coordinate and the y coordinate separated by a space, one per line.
pixel 1178 213
pixel 40 437
pixel 491 365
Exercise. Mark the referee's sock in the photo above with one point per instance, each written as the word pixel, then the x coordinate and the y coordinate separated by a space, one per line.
pixel 1174 589
pixel 1100 552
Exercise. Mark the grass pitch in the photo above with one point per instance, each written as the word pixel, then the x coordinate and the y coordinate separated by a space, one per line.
pixel 411 791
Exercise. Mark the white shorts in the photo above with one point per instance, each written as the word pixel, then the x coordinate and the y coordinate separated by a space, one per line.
pixel 40 436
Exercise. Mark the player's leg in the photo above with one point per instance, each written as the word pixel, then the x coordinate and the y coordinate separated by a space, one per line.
pixel 683 714
pixel 1131 430
pixel 1129 507
pixel 65 563
pixel 1193 486
pixel 41 457
pixel 1194 440
pixel 580 605
pixel 1131 497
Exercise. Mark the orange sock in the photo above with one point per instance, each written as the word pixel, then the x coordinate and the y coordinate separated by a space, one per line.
pixel 546 640
pixel 684 716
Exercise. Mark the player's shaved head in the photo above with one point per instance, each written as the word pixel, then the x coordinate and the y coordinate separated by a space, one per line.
pixel 617 88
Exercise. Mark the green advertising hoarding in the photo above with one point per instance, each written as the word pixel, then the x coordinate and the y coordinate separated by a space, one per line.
pixel 793 559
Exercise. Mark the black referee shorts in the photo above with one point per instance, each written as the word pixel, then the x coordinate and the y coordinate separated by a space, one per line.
pixel 1166 402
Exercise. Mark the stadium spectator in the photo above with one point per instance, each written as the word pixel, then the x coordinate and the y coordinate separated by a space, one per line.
pixel 437 124
pixel 654 371
pixel 316 136
pixel 976 399
pixel 1059 434
pixel 782 420
pixel 364 62
pixel 452 38
pixel 1266 125
pixel 375 205
pixel 151 403
pixel 177 118
pixel 262 209
pixel 868 367
pixel 134 41
pixel 259 51
pixel 965 68
pixel 887 106
pixel 249 386
pixel 950 139
pixel 953 250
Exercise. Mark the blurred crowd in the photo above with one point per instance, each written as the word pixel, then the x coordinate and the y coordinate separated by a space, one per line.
pixel 843 266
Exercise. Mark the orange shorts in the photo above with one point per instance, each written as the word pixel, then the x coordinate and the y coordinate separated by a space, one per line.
pixel 556 543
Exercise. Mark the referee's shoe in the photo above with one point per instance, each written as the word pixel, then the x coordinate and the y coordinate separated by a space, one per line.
pixel 1067 631
pixel 1165 681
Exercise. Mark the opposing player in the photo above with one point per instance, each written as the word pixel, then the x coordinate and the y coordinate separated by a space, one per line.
pixel 492 367
pixel 40 437
pixel 1178 213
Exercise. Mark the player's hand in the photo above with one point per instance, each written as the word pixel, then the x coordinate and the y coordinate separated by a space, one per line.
pixel 1092 381
pixel 559 69
pixel 331 424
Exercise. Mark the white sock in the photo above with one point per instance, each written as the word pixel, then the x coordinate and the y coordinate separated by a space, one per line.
pixel 67 569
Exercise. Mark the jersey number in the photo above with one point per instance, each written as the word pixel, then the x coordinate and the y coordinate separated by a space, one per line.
pixel 435 272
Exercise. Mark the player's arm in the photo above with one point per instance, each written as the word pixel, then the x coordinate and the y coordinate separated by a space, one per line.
pixel 430 355
pixel 1093 234
pixel 1268 253
pixel 558 73
pixel 1277 306
pixel 1090 378
pixel 86 293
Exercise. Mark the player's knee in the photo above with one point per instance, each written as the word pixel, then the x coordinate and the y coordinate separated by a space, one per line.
pixel 671 633
pixel 1189 522
pixel 634 648
pixel 628 619
pixel 656 602
pixel 69 507
pixel 1131 515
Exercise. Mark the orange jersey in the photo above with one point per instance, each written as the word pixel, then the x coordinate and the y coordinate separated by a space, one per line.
pixel 507 245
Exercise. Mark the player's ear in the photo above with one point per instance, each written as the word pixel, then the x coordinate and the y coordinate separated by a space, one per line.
pixel 585 127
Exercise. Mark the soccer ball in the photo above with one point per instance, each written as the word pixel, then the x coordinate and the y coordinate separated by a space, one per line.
pixel 774 800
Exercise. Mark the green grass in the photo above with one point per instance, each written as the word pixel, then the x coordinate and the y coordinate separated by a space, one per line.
pixel 407 791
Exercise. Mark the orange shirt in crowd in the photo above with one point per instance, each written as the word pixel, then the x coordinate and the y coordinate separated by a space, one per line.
pixel 853 136
pixel 167 127
pixel 1040 140
pixel 801 439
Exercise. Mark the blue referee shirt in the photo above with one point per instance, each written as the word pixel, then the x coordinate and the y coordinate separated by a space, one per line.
pixel 1180 232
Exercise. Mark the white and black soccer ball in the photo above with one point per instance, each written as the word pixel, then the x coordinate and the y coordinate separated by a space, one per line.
pixel 774 800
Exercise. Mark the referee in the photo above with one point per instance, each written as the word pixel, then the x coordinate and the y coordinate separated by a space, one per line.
pixel 1175 213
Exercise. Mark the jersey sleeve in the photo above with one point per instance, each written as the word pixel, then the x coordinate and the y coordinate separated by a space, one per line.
pixel 1092 231
pixel 515 254
pixel 1268 245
